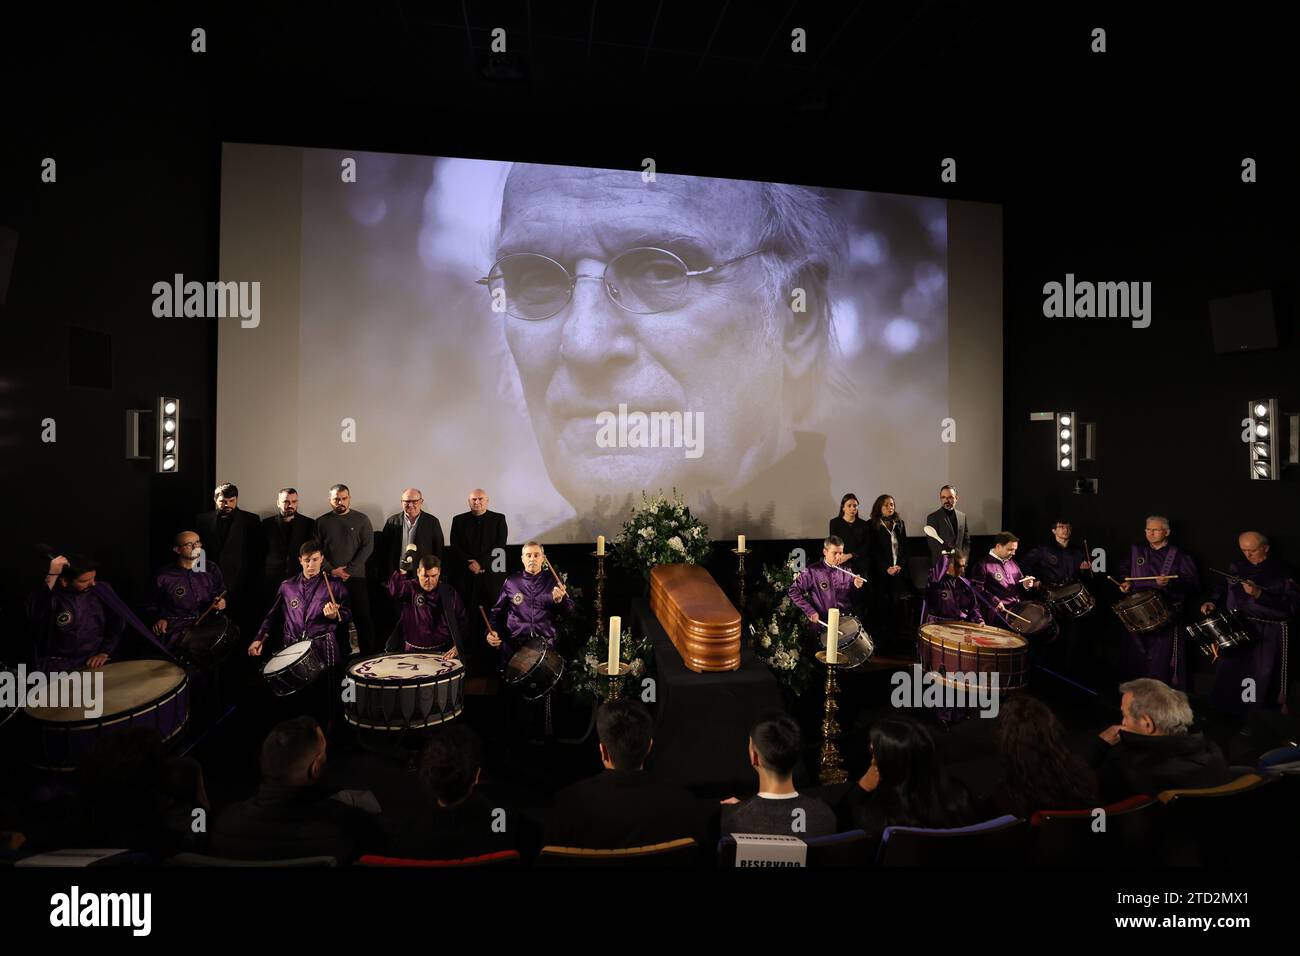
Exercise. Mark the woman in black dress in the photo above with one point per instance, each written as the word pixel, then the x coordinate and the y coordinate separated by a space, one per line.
pixel 891 594
pixel 850 528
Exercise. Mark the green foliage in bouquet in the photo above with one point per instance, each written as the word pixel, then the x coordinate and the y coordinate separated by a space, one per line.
pixel 661 531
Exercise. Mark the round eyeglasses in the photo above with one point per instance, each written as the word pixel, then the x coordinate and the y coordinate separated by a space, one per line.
pixel 644 281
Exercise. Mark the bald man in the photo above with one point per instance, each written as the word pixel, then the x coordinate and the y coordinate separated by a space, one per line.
pixel 1158 564
pixel 182 591
pixel 476 552
pixel 1266 595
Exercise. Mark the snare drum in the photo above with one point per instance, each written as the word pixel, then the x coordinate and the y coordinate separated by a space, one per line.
pixel 1218 632
pixel 149 693
pixel 1143 611
pixel 405 691
pixel 1029 618
pixel 1071 601
pixel 958 647
pixel 209 643
pixel 295 667
pixel 534 669
pixel 855 645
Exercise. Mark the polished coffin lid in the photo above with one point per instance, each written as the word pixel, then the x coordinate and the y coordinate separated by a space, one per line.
pixel 703 624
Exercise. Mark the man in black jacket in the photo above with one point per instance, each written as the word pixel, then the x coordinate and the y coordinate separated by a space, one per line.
pixel 951 525
pixel 623 806
pixel 284 533
pixel 291 815
pixel 1154 748
pixel 477 548
pixel 233 539
pixel 411 526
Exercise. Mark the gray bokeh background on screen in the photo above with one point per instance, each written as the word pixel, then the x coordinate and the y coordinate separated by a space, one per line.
pixel 391 331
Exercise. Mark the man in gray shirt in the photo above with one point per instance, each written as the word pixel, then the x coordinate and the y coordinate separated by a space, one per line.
pixel 778 809
pixel 349 539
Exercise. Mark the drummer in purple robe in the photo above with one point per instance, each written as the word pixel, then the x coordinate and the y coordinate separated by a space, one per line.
pixel 528 605
pixel 1266 595
pixel 1163 566
pixel 950 596
pixel 825 585
pixel 1000 580
pixel 183 592
pixel 430 615
pixel 303 611
pixel 74 617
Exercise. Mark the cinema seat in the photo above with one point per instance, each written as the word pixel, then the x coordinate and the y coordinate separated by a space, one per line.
pixel 199 859
pixel 500 858
pixel 998 842
pixel 1236 824
pixel 683 852
pixel 1070 838
pixel 850 848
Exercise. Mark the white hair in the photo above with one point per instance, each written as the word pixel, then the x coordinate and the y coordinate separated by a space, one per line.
pixel 1168 709
pixel 1160 520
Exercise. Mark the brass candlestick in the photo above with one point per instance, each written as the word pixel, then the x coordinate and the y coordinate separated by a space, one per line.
pixel 740 576
pixel 832 766
pixel 600 589
pixel 615 680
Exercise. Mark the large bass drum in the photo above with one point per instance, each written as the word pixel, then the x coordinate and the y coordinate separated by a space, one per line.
pixel 148 693
pixel 950 648
pixel 534 669
pixel 397 692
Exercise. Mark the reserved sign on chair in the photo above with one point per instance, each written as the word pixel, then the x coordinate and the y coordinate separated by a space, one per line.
pixel 761 849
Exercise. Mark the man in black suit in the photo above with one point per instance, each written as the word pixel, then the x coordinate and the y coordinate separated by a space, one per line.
pixel 233 539
pixel 412 525
pixel 623 806
pixel 476 536
pixel 951 525
pixel 284 533
pixel 291 815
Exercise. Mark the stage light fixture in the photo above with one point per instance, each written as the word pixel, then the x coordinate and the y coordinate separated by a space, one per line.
pixel 1065 458
pixel 169 433
pixel 1262 448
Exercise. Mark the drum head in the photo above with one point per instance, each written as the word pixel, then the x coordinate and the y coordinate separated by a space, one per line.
pixel 128 686
pixel 1064 592
pixel 415 666
pixel 1136 599
pixel 956 634
pixel 1036 617
pixel 850 628
pixel 287 657
pixel 523 661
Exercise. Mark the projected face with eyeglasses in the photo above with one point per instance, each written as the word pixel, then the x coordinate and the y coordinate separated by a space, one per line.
pixel 671 296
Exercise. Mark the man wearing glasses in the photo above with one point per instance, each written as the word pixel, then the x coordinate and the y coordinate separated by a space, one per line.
pixel 677 296
pixel 411 533
pixel 182 592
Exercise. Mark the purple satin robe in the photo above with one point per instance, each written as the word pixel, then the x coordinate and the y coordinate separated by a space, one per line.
pixel 819 588
pixel 525 608
pixel 181 597
pixel 299 609
pixel 424 625
pixel 1268 616
pixel 72 627
pixel 949 598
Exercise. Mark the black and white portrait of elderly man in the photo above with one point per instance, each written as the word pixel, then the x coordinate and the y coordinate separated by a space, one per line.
pixel 704 297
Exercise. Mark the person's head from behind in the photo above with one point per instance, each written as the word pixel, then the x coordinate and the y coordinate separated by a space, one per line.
pixel 1027 730
pixel 903 753
pixel 774 744
pixel 626 734
pixel 1153 708
pixel 293 754
pixel 453 760
pixel 616 291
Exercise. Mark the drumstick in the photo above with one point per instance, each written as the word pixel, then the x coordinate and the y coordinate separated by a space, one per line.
pixel 559 581
pixel 329 590
pixel 849 573
pixel 210 609
pixel 486 622
pixel 1112 581
pixel 1152 577
pixel 1232 578
pixel 1005 610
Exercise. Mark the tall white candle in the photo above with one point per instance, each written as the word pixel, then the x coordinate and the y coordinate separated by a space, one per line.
pixel 600 544
pixel 740 542
pixel 833 635
pixel 615 633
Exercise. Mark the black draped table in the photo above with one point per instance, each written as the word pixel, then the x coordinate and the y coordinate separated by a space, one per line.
pixel 702 726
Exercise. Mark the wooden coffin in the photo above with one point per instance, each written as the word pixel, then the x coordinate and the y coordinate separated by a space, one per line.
pixel 703 624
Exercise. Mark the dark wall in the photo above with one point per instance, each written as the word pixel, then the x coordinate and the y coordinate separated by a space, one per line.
pixel 1168 409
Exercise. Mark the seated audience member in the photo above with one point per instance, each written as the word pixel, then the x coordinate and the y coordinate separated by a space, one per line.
pixel 622 806
pixel 1042 773
pixel 133 796
pixel 292 815
pixel 905 784
pixel 1154 747
pixel 460 822
pixel 774 745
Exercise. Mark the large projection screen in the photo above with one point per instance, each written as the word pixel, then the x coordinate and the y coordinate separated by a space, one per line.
pixel 762 348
